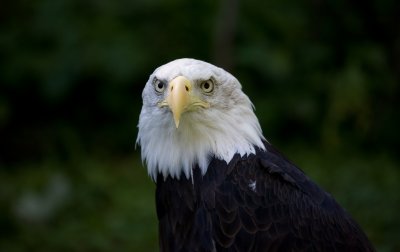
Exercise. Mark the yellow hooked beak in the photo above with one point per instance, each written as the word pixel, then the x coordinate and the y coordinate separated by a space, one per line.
pixel 180 98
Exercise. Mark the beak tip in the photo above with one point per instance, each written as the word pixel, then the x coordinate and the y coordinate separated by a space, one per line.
pixel 177 124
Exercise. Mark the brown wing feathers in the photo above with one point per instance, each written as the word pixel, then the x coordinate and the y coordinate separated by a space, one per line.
pixel 258 203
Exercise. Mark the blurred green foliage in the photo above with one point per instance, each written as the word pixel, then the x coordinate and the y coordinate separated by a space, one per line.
pixel 323 75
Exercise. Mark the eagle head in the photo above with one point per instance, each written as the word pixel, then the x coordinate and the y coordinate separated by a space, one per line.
pixel 192 112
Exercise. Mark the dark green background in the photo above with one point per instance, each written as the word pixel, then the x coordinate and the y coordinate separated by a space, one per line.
pixel 323 75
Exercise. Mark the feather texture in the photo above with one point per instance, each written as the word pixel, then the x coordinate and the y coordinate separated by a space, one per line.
pixel 220 185
pixel 228 127
pixel 218 211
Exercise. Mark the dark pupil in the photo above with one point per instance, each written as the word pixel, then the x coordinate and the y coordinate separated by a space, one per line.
pixel 160 85
pixel 206 85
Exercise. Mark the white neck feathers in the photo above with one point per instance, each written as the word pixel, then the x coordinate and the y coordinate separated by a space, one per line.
pixel 201 136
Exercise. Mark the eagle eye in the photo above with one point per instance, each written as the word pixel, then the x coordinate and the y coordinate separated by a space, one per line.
pixel 159 86
pixel 207 86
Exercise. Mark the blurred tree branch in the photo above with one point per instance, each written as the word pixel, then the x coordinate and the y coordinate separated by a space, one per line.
pixel 225 33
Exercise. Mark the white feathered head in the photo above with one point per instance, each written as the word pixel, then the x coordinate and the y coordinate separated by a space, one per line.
pixel 194 111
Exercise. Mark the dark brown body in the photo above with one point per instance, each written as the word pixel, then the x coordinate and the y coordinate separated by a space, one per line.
pixel 257 203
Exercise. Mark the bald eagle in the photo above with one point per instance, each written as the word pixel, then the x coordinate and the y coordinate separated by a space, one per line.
pixel 220 186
